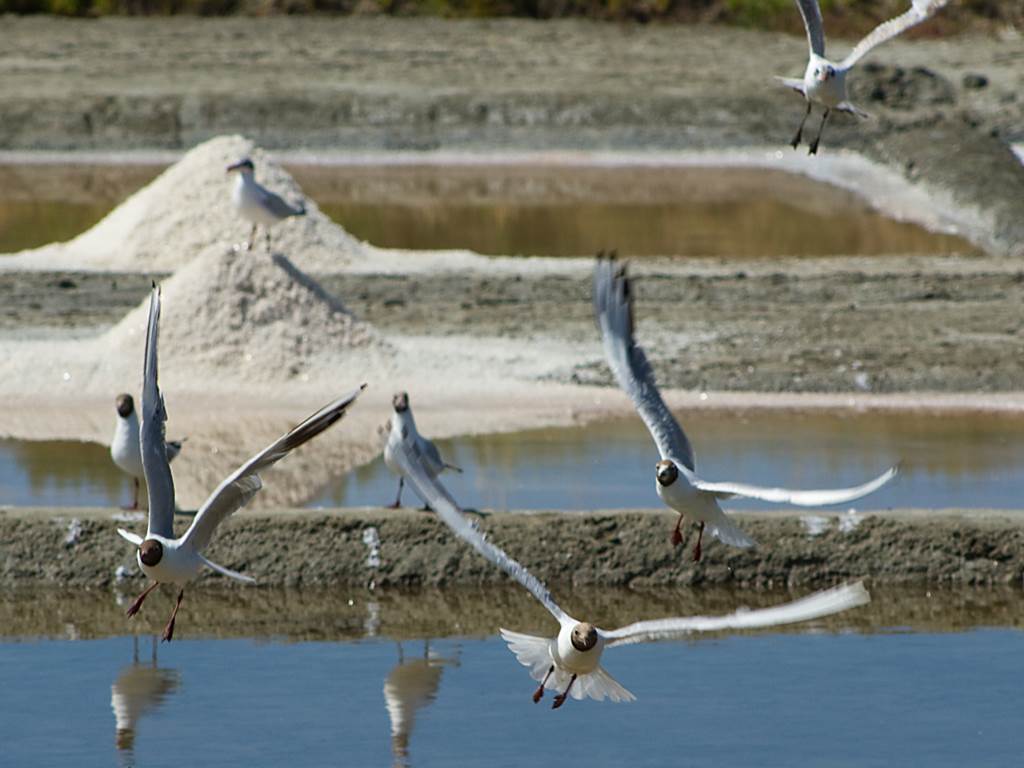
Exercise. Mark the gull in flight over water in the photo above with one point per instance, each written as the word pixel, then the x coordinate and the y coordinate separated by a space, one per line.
pixel 570 662
pixel 403 424
pixel 124 448
pixel 161 556
pixel 677 482
pixel 824 82
pixel 257 203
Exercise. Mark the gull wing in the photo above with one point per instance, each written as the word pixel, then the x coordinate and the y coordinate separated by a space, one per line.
pixel 277 206
pixel 236 491
pixel 410 460
pixel 613 308
pixel 814 606
pixel 811 14
pixel 811 498
pixel 918 12
pixel 155 464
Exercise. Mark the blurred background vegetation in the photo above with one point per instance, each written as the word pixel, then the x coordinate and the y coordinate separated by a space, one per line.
pixel 842 16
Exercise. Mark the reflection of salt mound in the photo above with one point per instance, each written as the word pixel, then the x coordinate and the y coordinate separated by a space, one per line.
pixel 241 317
pixel 188 208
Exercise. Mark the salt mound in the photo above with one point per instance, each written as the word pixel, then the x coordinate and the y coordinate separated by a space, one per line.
pixel 187 209
pixel 233 319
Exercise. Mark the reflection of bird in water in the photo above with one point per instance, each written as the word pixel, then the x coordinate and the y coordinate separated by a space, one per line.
pixel 410 686
pixel 137 690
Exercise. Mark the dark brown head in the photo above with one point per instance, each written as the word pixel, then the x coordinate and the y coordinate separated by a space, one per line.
pixel 244 165
pixel 401 402
pixel 150 552
pixel 667 472
pixel 584 636
pixel 125 405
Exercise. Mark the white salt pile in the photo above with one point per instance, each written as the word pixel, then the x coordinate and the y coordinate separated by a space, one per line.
pixel 188 209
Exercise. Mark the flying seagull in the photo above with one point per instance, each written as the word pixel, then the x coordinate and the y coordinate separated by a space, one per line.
pixel 257 203
pixel 678 484
pixel 570 662
pixel 403 423
pixel 824 82
pixel 161 556
pixel 124 448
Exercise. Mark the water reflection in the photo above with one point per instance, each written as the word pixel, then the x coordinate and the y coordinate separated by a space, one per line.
pixel 411 685
pixel 139 689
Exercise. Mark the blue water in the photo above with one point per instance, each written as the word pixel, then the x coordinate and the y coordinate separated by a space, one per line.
pixel 767 700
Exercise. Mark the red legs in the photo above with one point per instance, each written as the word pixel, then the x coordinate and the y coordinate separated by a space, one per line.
pixel 677 535
pixel 800 131
pixel 398 498
pixel 134 608
pixel 540 690
pixel 169 629
pixel 560 698
pixel 696 549
pixel 814 145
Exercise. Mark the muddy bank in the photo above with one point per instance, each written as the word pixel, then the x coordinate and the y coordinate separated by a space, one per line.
pixel 944 110
pixel 297 548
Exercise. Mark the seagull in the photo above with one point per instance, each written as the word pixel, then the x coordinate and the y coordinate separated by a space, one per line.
pixel 124 448
pixel 824 82
pixel 161 556
pixel 411 685
pixel 257 203
pixel 138 690
pixel 402 424
pixel 677 482
pixel 570 662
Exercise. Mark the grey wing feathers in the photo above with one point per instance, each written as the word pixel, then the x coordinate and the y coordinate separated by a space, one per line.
pixel 613 307
pixel 918 12
pixel 811 14
pixel 277 206
pixel 236 491
pixel 155 464
pixel 408 455
pixel 817 605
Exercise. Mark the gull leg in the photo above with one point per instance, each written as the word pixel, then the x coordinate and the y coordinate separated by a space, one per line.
pixel 268 241
pixel 540 689
pixel 134 607
pixel 696 549
pixel 560 698
pixel 800 131
pixel 169 629
pixel 677 535
pixel 814 145
pixel 398 498
pixel 252 239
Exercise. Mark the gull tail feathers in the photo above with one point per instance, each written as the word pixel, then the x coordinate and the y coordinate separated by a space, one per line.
pixel 228 572
pixel 453 468
pixel 792 82
pixel 531 651
pixel 852 109
pixel 599 685
pixel 728 532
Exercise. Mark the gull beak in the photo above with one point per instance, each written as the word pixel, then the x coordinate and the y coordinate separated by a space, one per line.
pixel 233 167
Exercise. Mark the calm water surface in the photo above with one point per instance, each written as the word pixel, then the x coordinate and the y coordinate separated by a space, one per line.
pixel 857 692
pixel 532 210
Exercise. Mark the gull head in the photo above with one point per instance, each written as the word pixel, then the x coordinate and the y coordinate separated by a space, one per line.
pixel 150 552
pixel 667 472
pixel 824 72
pixel 584 636
pixel 125 405
pixel 401 402
pixel 244 166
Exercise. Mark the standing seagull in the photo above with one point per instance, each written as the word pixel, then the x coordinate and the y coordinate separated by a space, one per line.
pixel 257 203
pixel 124 448
pixel 677 482
pixel 571 661
pixel 824 82
pixel 403 425
pixel 161 556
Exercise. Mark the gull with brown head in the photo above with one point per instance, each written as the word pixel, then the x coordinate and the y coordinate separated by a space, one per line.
pixel 402 426
pixel 258 204
pixel 124 447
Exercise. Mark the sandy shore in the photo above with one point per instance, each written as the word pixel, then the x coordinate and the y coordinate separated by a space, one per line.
pixel 315 549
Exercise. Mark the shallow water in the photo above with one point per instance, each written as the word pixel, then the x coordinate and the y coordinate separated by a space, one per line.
pixel 856 692
pixel 529 210
pixel 947 461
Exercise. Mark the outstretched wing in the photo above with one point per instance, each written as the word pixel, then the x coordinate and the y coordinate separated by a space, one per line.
pixel 812 498
pixel 236 491
pixel 918 12
pixel 410 460
pixel 811 14
pixel 277 206
pixel 155 464
pixel 814 606
pixel 613 308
